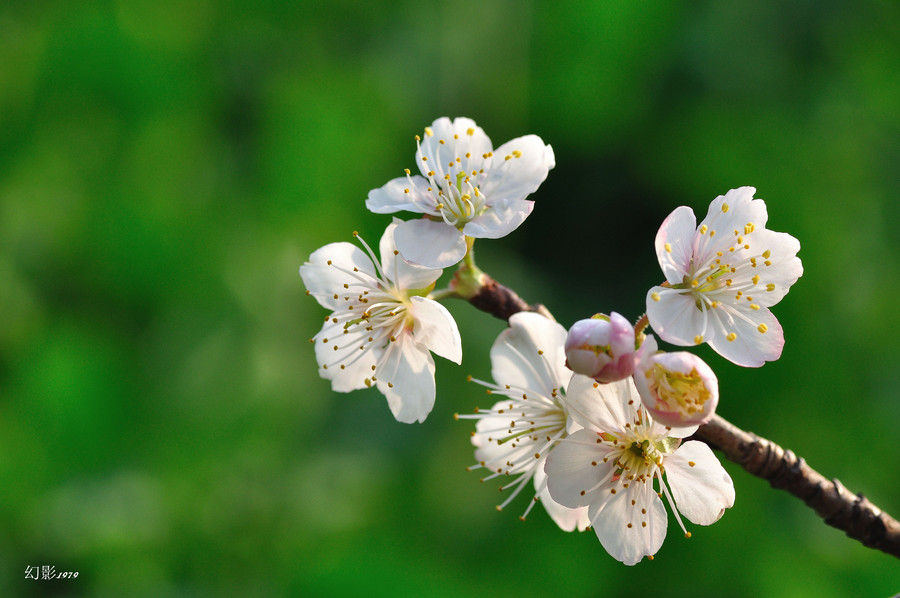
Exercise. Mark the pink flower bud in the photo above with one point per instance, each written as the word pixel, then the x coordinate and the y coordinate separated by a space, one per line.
pixel 678 389
pixel 601 347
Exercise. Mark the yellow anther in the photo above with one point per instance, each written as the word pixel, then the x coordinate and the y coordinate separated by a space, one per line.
pixel 517 153
pixel 429 132
pixel 770 287
pixel 712 233
pixel 655 296
pixel 668 247
pixel 731 336
pixel 724 208
pixel 767 254
pixel 749 228
pixel 470 131
pixel 755 279
pixel 468 155
pixel 406 170
pixel 754 306
pixel 698 340
pixel 762 328
pixel 703 229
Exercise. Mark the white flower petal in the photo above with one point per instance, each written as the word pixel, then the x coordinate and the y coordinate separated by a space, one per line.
pixel 632 523
pixel 449 141
pixel 406 379
pixel 518 168
pixel 781 269
pixel 436 329
pixel 502 218
pixel 323 279
pixel 430 243
pixel 674 316
pixel 600 407
pixel 530 355
pixel 570 470
pixel 403 274
pixel 754 342
pixel 567 519
pixel 674 243
pixel 701 487
pixel 735 209
pixel 400 194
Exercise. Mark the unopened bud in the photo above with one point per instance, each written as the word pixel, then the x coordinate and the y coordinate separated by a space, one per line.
pixel 601 347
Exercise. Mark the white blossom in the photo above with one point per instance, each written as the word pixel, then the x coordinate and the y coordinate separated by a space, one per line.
pixel 722 277
pixel 382 328
pixel 622 463
pixel 516 435
pixel 466 189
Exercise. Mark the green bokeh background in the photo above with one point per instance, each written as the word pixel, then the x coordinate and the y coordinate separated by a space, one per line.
pixel 165 169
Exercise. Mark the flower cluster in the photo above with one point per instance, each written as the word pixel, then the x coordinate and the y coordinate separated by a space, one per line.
pixel 593 418
pixel 385 322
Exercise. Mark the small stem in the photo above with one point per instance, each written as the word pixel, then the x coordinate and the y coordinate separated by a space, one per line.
pixel 469 258
pixel 441 294
pixel 641 325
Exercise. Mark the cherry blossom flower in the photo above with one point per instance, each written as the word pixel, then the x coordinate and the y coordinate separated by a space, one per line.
pixel 467 189
pixel 382 328
pixel 622 463
pixel 678 388
pixel 722 277
pixel 601 347
pixel 516 435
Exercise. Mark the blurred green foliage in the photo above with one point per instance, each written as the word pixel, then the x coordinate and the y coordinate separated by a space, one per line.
pixel 165 169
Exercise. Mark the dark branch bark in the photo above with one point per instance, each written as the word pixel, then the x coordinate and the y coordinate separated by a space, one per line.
pixel 502 302
pixel 837 506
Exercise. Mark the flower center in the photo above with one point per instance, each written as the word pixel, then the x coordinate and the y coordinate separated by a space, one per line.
pixel 458 203
pixel 453 181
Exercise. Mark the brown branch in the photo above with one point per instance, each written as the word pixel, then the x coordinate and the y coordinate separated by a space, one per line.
pixel 502 302
pixel 837 506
